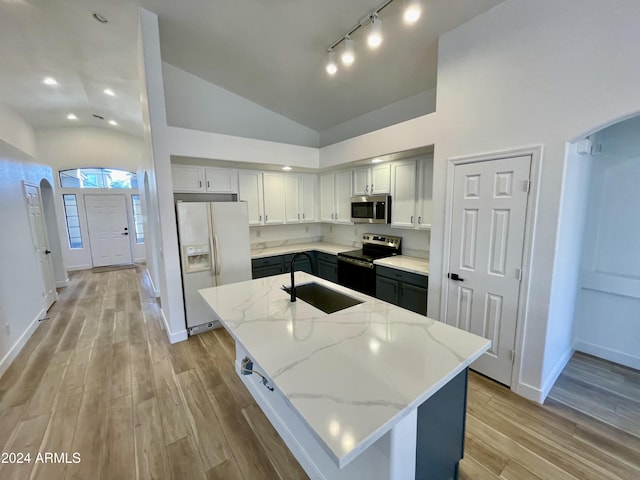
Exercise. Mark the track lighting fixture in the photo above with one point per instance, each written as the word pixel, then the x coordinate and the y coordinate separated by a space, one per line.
pixel 411 15
pixel 374 39
pixel 332 66
pixel 412 11
pixel 348 55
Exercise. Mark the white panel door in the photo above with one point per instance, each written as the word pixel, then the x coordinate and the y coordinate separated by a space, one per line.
pixel 108 229
pixel 41 244
pixel 487 236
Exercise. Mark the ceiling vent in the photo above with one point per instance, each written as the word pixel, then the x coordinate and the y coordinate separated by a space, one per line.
pixel 99 117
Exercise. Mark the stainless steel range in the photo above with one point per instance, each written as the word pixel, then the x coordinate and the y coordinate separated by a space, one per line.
pixel 356 269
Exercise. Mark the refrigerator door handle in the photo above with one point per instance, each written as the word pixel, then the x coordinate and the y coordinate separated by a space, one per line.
pixel 216 266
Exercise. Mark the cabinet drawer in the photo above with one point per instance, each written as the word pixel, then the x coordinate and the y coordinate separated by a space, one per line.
pixel 401 275
pixel 302 262
pixel 264 262
pixel 327 257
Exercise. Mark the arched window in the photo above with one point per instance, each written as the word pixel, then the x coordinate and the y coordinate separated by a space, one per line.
pixel 97 178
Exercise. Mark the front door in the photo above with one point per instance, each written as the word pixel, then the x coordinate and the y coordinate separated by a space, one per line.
pixel 108 229
pixel 487 241
pixel 41 243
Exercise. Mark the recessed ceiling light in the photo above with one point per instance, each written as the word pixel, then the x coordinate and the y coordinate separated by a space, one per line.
pixel 109 92
pixel 113 122
pixel 49 81
pixel 71 116
pixel 376 160
pixel 286 169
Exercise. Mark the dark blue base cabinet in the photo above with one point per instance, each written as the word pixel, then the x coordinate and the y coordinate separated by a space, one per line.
pixel 440 436
pixel 407 290
pixel 323 265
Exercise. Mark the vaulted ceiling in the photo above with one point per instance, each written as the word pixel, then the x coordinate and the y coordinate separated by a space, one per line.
pixel 271 53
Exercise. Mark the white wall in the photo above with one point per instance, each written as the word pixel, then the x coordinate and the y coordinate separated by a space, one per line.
pixel 607 318
pixel 21 284
pixel 196 104
pixel 276 235
pixel 415 106
pixel 524 73
pixel 76 147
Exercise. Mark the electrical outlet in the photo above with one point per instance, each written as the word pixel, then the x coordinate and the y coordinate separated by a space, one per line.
pixel 247 366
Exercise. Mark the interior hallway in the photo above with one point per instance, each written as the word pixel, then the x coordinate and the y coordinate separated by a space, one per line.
pixel 100 378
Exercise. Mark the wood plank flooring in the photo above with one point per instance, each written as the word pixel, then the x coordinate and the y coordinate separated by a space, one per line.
pixel 99 378
pixel 601 389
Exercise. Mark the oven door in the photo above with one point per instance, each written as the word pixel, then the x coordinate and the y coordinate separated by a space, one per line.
pixel 357 275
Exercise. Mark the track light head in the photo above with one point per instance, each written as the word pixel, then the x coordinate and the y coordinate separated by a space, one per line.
pixel 374 39
pixel 348 55
pixel 412 11
pixel 331 65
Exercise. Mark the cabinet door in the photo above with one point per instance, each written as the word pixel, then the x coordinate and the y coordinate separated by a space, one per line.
pixel 387 290
pixel 273 185
pixel 413 298
pixel 327 198
pixel 328 270
pixel 343 197
pixel 308 197
pixel 221 180
pixel 403 192
pixel 361 181
pixel 269 270
pixel 292 199
pixel 250 191
pixel 187 179
pixel 425 200
pixel 381 179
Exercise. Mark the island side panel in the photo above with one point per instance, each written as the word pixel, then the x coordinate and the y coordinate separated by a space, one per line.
pixel 441 426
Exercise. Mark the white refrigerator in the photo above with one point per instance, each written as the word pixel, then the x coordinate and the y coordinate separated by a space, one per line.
pixel 214 250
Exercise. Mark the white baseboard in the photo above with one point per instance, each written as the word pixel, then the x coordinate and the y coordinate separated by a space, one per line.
pixel 73 268
pixel 539 395
pixel 62 284
pixel 22 340
pixel 615 356
pixel 174 337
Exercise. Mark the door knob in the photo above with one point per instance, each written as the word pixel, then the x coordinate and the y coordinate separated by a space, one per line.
pixel 47 252
pixel 124 233
pixel 455 276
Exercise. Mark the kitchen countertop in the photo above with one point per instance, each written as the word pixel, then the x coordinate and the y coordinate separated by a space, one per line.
pixel 352 375
pixel 408 264
pixel 331 248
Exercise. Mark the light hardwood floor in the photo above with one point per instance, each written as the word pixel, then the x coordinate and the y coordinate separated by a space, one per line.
pixel 99 378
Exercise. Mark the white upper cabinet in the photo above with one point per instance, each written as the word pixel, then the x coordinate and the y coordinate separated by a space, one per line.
pixel 362 181
pixel 403 194
pixel 250 191
pixel 195 179
pixel 186 178
pixel 308 197
pixel 380 179
pixel 273 188
pixel 343 197
pixel 221 180
pixel 300 198
pixel 327 197
pixel 425 193
pixel 292 198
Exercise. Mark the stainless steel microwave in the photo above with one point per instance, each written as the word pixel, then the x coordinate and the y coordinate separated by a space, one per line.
pixel 372 209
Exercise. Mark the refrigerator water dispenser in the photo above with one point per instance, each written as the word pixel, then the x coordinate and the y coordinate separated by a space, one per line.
pixel 196 258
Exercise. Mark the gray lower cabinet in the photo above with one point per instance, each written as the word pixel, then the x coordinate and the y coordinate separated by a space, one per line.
pixel 302 263
pixel 327 266
pixel 265 267
pixel 407 290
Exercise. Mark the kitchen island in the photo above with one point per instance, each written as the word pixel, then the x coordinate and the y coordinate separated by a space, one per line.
pixel 372 391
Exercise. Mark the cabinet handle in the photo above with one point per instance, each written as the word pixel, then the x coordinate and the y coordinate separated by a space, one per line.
pixel 265 217
pixel 208 184
pixel 372 188
pixel 303 216
pixel 200 183
pixel 419 221
pixel 260 218
pixel 298 216
pixel 366 189
pixel 411 218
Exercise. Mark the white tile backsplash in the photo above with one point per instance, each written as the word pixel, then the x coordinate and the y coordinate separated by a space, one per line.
pixel 265 236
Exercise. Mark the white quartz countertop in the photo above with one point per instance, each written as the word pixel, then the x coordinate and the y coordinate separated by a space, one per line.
pixel 331 248
pixel 408 264
pixel 351 375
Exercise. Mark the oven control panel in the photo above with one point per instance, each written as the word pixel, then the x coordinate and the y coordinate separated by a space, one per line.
pixel 386 240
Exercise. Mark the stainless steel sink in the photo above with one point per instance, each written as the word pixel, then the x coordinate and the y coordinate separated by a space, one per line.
pixel 323 298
